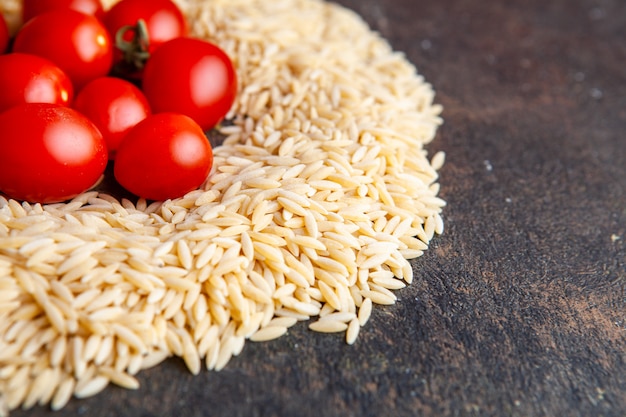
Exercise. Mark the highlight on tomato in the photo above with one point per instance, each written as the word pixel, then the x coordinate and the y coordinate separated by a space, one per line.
pixel 32 8
pixel 115 106
pixel 48 153
pixel 26 78
pixel 78 43
pixel 202 84
pixel 164 156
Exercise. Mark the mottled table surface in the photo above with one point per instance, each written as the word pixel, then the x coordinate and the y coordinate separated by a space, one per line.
pixel 519 309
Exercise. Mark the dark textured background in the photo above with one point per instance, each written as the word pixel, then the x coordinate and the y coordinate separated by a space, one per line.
pixel 519 309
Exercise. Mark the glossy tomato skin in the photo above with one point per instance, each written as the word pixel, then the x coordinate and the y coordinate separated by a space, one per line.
pixel 114 106
pixel 164 156
pixel 48 153
pixel 78 43
pixel 32 8
pixel 164 20
pixel 4 35
pixel 202 84
pixel 26 78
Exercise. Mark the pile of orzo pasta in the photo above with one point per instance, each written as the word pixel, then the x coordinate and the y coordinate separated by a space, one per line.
pixel 318 197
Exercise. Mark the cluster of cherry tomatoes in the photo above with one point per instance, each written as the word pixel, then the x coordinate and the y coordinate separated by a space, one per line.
pixel 81 86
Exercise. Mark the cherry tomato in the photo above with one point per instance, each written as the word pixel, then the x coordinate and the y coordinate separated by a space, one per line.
pixel 48 153
pixel 202 84
pixel 163 21
pixel 26 78
pixel 78 43
pixel 164 156
pixel 32 8
pixel 4 34
pixel 114 106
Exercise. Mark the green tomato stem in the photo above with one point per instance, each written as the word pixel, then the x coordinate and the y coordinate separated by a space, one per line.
pixel 136 51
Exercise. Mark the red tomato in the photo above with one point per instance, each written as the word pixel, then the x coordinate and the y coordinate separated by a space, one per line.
pixel 114 106
pixel 78 43
pixel 4 35
pixel 26 78
pixel 202 84
pixel 32 8
pixel 48 153
pixel 164 156
pixel 163 20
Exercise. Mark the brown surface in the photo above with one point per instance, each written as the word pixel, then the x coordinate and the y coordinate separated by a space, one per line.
pixel 520 308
